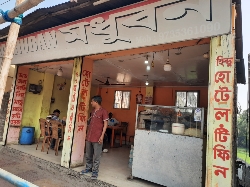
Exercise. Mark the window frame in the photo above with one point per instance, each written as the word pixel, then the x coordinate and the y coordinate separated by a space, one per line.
pixel 122 99
pixel 198 96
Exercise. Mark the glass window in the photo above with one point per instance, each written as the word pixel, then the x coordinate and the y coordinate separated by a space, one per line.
pixel 181 99
pixel 192 99
pixel 122 99
pixel 186 99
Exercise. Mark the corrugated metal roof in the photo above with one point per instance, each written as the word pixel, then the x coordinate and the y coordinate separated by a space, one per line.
pixel 45 18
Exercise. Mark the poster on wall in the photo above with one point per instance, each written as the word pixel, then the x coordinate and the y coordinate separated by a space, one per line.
pixel 149 96
pixel 139 98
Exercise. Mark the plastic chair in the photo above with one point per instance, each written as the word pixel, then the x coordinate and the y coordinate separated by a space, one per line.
pixel 45 133
pixel 58 136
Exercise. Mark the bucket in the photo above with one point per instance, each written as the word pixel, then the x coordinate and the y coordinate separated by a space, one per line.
pixel 178 128
pixel 27 135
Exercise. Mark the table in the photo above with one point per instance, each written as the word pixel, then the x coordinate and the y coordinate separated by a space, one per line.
pixel 114 128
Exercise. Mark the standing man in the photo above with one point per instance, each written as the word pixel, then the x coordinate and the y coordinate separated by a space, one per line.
pixel 94 139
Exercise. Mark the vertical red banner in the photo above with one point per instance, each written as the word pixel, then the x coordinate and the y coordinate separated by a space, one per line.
pixel 82 113
pixel 221 112
pixel 16 103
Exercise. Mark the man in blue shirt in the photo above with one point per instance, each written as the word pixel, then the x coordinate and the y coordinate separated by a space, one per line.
pixel 111 122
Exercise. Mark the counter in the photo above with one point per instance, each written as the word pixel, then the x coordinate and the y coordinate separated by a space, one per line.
pixel 167 159
pixel 164 158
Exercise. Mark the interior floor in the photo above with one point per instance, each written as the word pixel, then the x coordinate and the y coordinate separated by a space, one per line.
pixel 113 169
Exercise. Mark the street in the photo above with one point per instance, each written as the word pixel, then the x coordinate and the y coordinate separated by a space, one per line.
pixel 40 172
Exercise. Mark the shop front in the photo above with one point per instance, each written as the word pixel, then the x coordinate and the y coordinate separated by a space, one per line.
pixel 171 61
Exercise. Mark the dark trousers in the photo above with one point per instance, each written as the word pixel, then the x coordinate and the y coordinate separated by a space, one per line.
pixel 109 134
pixel 93 156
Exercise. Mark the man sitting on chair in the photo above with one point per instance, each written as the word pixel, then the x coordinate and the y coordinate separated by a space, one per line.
pixel 111 122
pixel 55 116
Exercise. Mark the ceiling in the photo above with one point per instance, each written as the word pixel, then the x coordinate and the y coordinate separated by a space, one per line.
pixel 189 68
pixel 53 67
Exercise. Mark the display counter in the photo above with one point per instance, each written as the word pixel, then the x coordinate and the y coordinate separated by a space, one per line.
pixel 168 145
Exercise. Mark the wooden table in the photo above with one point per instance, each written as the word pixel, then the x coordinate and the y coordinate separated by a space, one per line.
pixel 114 128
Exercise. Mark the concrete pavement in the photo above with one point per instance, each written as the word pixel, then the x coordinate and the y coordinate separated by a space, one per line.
pixel 41 172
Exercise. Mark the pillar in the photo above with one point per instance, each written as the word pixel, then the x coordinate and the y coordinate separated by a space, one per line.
pixel 75 131
pixel 71 114
pixel 82 114
pixel 221 113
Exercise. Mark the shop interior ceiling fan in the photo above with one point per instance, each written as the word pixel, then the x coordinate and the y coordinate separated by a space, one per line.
pixel 107 83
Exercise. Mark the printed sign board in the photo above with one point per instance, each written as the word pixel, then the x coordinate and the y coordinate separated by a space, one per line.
pixel 197 114
pixel 221 113
pixel 147 23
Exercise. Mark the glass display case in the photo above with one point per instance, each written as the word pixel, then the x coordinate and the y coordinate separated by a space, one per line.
pixel 187 121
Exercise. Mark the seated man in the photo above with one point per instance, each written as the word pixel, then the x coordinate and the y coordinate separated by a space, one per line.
pixel 55 116
pixel 111 122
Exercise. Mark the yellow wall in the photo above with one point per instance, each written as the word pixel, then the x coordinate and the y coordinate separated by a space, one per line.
pixel 61 96
pixel 47 93
pixel 38 106
pixel 8 84
pixel 33 103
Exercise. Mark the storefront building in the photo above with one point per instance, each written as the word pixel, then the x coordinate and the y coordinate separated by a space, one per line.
pixel 143 30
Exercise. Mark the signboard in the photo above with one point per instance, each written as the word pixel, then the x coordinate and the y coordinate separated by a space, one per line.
pixel 197 114
pixel 220 112
pixel 147 23
pixel 15 105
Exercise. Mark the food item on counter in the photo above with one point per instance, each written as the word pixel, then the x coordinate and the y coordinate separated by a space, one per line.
pixel 193 132
pixel 178 128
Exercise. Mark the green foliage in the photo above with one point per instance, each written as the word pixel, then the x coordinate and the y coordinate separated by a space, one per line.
pixel 243 129
pixel 243 155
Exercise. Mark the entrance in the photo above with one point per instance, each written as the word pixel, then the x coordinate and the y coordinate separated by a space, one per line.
pixel 119 78
pixel 45 88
